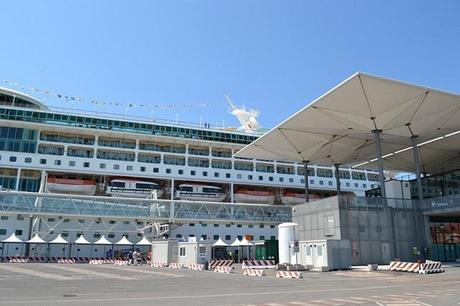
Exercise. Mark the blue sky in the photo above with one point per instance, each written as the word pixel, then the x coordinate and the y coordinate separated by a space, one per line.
pixel 274 56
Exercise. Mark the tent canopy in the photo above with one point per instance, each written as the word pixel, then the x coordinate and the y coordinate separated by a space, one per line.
pixel 246 242
pixel 338 127
pixel 59 240
pixel 103 241
pixel 81 240
pixel 144 241
pixel 124 241
pixel 236 242
pixel 220 242
pixel 36 239
pixel 12 239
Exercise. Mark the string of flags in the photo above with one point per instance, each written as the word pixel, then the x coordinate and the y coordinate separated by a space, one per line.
pixel 79 99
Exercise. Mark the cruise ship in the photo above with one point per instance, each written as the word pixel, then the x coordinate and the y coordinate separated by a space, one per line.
pixel 47 150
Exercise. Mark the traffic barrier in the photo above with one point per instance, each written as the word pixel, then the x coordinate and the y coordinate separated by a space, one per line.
pixel 158 264
pixel 37 259
pixel 120 263
pixel 403 266
pixel 63 260
pixel 431 267
pixel 176 265
pixel 253 272
pixel 258 264
pixel 223 269
pixel 17 259
pixel 220 263
pixel 81 259
pixel 288 274
pixel 196 267
pixel 101 261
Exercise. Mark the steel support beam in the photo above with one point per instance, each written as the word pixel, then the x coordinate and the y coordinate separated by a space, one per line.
pixel 305 177
pixel 378 146
pixel 337 178
pixel 418 172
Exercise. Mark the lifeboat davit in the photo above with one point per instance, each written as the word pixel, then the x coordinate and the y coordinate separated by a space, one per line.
pixel 196 192
pixel 129 188
pixel 71 185
pixel 254 196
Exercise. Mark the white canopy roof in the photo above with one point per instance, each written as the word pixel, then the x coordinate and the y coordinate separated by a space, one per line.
pixel 103 241
pixel 246 242
pixel 36 239
pixel 13 239
pixel 124 241
pixel 59 240
pixel 337 128
pixel 220 242
pixel 81 240
pixel 236 242
pixel 144 241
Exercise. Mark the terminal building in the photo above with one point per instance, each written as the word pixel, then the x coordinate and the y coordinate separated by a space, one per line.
pixel 370 122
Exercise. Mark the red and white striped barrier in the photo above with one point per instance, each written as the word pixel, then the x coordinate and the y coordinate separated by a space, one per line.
pixel 101 261
pixel 403 266
pixel 223 269
pixel 288 274
pixel 258 264
pixel 120 263
pixel 81 259
pixel 17 259
pixel 431 267
pixel 37 259
pixel 176 265
pixel 64 260
pixel 220 263
pixel 158 264
pixel 196 267
pixel 253 272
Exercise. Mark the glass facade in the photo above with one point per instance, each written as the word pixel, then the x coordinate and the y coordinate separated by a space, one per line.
pixel 18 139
pixel 438 185
pixel 48 117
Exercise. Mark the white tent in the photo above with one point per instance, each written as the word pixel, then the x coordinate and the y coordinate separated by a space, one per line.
pixel 81 240
pixel 103 241
pixel 124 241
pixel 220 243
pixel 144 241
pixel 246 242
pixel 13 239
pixel 36 239
pixel 59 240
pixel 236 243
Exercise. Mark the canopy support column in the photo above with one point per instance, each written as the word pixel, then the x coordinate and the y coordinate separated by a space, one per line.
pixel 418 173
pixel 378 146
pixel 305 176
pixel 337 178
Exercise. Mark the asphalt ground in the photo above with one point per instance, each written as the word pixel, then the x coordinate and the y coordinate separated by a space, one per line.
pixel 83 284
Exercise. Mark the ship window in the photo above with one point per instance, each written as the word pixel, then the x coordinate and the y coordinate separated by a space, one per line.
pixel 192 172
pixel 156 170
pixel 272 226
pixel 330 183
pixel 281 179
pixel 180 171
pixel 116 167
pixel 204 237
pixel 142 169
pixel 270 178
pixel 13 159
pixel 28 160
pixel 216 225
pixel 216 174
pixel 358 175
pixel 187 189
pixel 20 218
pixel 227 175
pixel 249 177
pixel 291 180
pixel 261 177
pixel 71 163
pixel 205 173
pixel 191 224
pixel 364 186
pixel 312 181
pixel 204 224
pixel 4 218
pixel 118 184
pixel 86 164
pixel 212 190
pixel 261 226
pixel 347 184
pixel 321 182
pixel 239 225
pixel 42 161
pixel 51 220
pixel 324 172
pixel 168 170
pixel 129 168
pixel 356 185
pixel 57 162
pixel 146 186
pixel 344 174
pixel 102 166
pixel 239 176
pixel 178 236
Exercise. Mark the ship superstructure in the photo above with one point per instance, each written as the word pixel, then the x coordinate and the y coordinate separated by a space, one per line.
pixel 46 150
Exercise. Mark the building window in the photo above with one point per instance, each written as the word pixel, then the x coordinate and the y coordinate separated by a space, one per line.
pixel 191 224
pixel 216 225
pixel 215 237
pixel 65 234
pixel 57 162
pixel 228 237
pixel 182 251
pixel 227 225
pixel 204 237
pixel 111 235
pixel 18 232
pixel 51 220
pixel 13 159
pixel 27 160
pixel 362 228
pixel 4 218
pixel 261 237
pixel 272 237
pixel 239 225
pixel 261 226
pixel 202 251
pixel 86 165
pixel 20 218
pixel 97 235
pixel 179 236
pixel 2 231
pixel 272 226
pixel 71 163
pixel 240 237
pixel 204 224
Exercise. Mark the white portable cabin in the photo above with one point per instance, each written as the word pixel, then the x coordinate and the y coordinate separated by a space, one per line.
pixel 164 251
pixel 333 254
pixel 192 252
